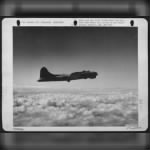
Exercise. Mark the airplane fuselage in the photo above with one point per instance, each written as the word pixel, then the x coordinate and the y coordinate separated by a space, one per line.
pixel 56 78
pixel 47 76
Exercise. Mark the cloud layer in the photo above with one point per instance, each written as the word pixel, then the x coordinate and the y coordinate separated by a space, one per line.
pixel 75 108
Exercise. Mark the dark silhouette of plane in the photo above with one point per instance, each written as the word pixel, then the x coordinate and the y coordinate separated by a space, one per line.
pixel 47 76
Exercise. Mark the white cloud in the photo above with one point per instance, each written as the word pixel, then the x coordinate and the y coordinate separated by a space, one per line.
pixel 75 109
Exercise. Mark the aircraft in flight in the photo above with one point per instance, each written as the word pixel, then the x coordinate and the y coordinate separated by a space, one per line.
pixel 45 76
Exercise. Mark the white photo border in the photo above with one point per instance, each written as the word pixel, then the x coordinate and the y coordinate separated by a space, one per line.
pixel 7 68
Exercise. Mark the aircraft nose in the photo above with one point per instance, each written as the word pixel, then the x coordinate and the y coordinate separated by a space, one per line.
pixel 96 73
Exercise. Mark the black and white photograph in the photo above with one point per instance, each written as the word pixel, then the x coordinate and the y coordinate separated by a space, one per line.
pixel 65 76
pixel 75 76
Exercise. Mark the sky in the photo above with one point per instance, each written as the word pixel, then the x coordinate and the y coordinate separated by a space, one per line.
pixel 112 52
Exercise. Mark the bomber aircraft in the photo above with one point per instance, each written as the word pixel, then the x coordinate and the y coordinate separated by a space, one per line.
pixel 45 76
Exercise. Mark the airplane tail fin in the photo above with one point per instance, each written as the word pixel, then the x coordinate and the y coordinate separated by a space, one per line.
pixel 45 74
